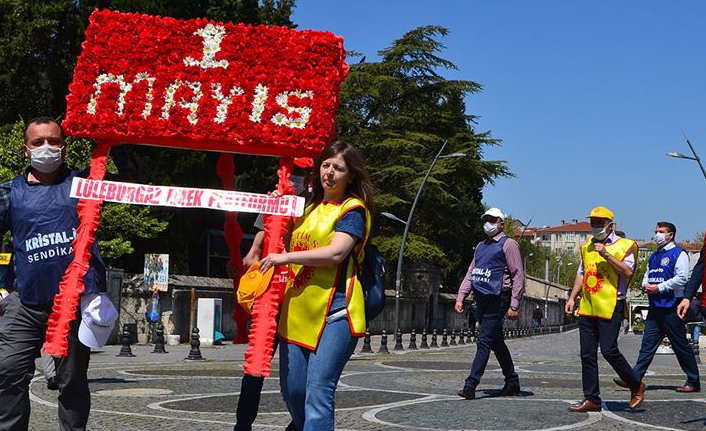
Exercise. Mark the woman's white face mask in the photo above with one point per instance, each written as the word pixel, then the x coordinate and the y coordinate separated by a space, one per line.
pixel 46 159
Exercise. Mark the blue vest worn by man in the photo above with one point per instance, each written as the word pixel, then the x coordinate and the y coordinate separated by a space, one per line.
pixel 660 269
pixel 487 276
pixel 43 220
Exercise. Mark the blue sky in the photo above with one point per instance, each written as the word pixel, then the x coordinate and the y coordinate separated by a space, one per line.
pixel 586 96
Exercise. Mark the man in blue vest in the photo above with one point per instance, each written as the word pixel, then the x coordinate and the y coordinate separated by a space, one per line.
pixel 36 205
pixel 666 275
pixel 497 279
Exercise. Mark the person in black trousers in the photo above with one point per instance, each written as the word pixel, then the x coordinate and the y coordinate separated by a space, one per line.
pixel 497 278
pixel 667 273
pixel 607 263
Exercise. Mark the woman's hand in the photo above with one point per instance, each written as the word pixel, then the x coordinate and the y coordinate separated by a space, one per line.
pixel 271 260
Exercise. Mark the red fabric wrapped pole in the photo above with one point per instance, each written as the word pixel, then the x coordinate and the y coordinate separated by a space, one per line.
pixel 234 235
pixel 71 286
pixel 258 356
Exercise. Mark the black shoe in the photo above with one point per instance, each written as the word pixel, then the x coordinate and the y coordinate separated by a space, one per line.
pixel 510 391
pixel 52 384
pixel 469 394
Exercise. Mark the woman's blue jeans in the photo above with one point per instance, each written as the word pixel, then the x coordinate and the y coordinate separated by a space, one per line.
pixel 308 379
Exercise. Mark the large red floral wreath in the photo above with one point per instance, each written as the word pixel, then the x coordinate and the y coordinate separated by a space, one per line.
pixel 200 85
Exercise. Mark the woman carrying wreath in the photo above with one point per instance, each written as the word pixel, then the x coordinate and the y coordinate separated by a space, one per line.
pixel 323 313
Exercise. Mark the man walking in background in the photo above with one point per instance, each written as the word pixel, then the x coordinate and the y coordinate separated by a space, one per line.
pixel 667 272
pixel 607 264
pixel 497 279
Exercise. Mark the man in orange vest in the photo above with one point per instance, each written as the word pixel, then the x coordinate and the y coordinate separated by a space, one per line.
pixel 607 264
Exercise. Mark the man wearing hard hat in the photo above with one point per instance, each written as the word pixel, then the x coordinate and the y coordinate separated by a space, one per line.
pixel 607 264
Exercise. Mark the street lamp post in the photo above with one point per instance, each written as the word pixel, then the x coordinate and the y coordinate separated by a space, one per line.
pixel 558 268
pixel 525 262
pixel 683 156
pixel 408 223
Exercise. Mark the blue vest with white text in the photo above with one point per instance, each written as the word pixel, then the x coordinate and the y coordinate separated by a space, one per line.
pixel 487 275
pixel 43 221
pixel 660 269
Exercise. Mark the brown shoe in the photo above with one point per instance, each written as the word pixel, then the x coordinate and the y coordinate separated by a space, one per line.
pixel 585 406
pixel 688 388
pixel 620 383
pixel 637 396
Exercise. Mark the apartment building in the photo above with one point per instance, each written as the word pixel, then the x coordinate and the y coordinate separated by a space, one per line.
pixel 567 237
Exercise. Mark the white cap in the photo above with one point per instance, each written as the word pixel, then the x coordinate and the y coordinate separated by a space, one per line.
pixel 494 212
pixel 98 316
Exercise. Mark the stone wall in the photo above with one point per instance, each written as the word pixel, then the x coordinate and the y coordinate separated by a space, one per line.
pixel 421 305
pixel 175 305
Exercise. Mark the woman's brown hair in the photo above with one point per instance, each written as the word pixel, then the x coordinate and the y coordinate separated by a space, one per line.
pixel 361 187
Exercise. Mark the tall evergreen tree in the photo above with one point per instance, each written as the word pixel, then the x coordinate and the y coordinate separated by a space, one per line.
pixel 39 45
pixel 399 111
pixel 40 41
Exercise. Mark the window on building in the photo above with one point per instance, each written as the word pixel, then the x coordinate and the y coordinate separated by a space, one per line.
pixel 570 247
pixel 557 238
pixel 583 237
pixel 545 237
pixel 570 237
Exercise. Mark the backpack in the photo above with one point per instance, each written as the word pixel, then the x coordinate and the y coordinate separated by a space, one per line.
pixel 372 279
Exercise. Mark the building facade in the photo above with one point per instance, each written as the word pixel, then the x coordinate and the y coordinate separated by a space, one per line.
pixel 566 238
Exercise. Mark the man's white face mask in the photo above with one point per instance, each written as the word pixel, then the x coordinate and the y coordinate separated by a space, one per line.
pixel 490 229
pixel 660 238
pixel 46 159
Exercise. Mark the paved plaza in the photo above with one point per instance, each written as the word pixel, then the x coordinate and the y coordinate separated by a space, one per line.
pixel 414 390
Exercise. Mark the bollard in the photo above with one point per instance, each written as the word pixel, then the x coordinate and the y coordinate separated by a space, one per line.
pixel 462 336
pixel 125 350
pixel 444 339
pixel 159 339
pixel 398 340
pixel 433 339
pixel 453 337
pixel 366 342
pixel 413 340
pixel 195 352
pixel 383 343
pixel 424 344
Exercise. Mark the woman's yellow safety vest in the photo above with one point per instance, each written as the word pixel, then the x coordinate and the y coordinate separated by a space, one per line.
pixel 310 290
pixel 600 281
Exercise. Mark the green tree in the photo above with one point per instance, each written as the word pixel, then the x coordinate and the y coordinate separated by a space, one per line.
pixel 39 45
pixel 641 267
pixel 399 111
pixel 40 42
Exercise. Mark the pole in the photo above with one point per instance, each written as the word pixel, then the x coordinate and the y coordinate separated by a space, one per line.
pixel 398 274
pixel 546 282
pixel 192 314
pixel 696 157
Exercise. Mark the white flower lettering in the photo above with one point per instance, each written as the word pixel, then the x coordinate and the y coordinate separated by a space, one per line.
pixel 303 111
pixel 212 37
pixel 222 109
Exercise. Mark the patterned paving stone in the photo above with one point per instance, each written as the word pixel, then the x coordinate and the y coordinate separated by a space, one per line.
pixel 401 391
